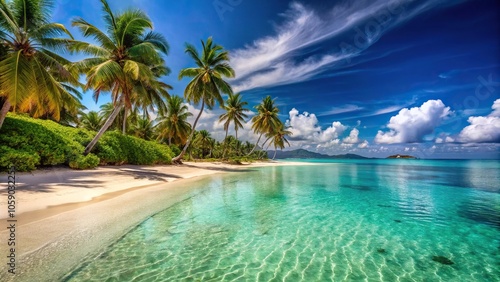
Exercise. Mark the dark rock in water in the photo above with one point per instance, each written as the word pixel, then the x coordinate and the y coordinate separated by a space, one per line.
pixel 358 187
pixel 382 251
pixel 397 220
pixel 442 260
pixel 481 210
pixel 385 206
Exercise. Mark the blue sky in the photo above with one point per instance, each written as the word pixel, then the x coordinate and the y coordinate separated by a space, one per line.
pixel 371 77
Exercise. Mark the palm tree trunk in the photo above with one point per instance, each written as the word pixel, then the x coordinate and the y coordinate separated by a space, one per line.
pixel 275 150
pixel 183 152
pixel 269 145
pixel 225 144
pixel 124 123
pixel 264 144
pixel 255 145
pixel 169 140
pixel 103 129
pixel 3 112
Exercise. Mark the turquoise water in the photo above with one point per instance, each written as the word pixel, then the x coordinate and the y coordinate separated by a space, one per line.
pixel 373 220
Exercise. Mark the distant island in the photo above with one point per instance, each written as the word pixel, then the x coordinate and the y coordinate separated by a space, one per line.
pixel 401 157
pixel 305 154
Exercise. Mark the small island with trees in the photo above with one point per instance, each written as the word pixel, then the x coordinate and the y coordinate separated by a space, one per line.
pixel 398 156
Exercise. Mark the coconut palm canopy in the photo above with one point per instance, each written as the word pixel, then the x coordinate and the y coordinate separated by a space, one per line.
pixel 207 83
pixel 174 127
pixel 34 77
pixel 127 55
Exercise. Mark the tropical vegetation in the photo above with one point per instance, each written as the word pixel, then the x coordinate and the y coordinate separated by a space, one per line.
pixel 207 83
pixel 127 62
pixel 235 113
pixel 143 123
pixel 29 143
pixel 34 78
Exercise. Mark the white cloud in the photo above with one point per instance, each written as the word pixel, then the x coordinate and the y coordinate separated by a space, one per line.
pixel 411 125
pixel 483 129
pixel 278 59
pixel 308 134
pixel 363 145
pixel 340 110
pixel 305 127
pixel 353 137
pixel 496 109
pixel 444 139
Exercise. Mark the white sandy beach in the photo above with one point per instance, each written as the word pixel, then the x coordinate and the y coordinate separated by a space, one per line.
pixel 65 215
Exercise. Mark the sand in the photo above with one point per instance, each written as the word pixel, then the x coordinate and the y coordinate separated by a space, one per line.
pixel 66 215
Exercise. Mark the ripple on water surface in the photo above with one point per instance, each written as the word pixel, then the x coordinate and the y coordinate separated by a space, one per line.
pixel 347 221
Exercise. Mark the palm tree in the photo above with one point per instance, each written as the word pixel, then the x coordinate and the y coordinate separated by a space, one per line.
pixel 174 126
pixel 31 76
pixel 91 120
pixel 123 57
pixel 207 83
pixel 146 98
pixel 203 140
pixel 266 121
pixel 278 138
pixel 143 128
pixel 235 112
pixel 106 111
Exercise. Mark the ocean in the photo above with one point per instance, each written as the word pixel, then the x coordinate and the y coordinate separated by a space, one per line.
pixel 343 220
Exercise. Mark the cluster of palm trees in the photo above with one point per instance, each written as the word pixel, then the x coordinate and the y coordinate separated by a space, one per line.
pixel 125 60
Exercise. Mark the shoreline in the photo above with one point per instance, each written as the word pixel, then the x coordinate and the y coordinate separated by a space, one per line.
pixel 64 222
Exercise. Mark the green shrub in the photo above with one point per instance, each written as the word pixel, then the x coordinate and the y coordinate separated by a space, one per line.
pixel 23 161
pixel 175 150
pixel 116 148
pixel 28 143
pixel 84 162
pixel 235 161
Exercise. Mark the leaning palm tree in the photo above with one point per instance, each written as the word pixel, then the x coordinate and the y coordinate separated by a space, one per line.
pixel 91 120
pixel 149 97
pixel 125 55
pixel 278 138
pixel 106 110
pixel 235 113
pixel 266 121
pixel 207 83
pixel 174 126
pixel 31 75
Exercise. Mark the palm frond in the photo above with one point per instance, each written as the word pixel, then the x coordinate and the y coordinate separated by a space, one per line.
pixel 193 53
pixel 131 25
pixel 189 72
pixel 158 40
pixel 104 75
pixel 7 20
pixel 87 48
pixel 109 18
pixel 50 30
pixel 89 30
pixel 16 77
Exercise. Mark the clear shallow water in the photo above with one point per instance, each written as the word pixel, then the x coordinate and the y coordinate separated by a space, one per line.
pixel 375 220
